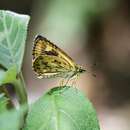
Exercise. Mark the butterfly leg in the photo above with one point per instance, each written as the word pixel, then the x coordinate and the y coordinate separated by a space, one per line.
pixel 67 81
pixel 74 82
pixel 62 83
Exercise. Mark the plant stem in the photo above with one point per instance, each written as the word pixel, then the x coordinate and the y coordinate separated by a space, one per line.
pixel 20 89
pixel 21 92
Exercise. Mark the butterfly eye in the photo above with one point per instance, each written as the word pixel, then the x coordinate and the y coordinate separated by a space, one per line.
pixel 82 70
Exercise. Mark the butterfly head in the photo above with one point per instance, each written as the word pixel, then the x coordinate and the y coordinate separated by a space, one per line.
pixel 80 69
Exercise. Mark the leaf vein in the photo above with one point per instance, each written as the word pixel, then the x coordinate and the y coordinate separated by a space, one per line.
pixel 16 38
pixel 11 25
pixel 61 110
pixel 7 38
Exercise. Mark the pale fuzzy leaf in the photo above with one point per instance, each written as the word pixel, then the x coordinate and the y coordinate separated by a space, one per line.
pixel 10 120
pixel 13 31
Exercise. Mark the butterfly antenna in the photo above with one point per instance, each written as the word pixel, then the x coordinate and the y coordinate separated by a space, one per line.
pixel 93 74
pixel 91 68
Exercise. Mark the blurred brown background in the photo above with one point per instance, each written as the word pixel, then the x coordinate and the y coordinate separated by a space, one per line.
pixel 91 32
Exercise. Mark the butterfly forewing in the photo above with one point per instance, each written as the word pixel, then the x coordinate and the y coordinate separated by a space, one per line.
pixel 42 46
pixel 38 47
pixel 49 60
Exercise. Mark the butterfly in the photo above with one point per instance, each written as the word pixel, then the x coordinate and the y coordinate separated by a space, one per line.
pixel 49 61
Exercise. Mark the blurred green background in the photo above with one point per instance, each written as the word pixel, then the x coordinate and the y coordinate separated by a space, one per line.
pixel 96 34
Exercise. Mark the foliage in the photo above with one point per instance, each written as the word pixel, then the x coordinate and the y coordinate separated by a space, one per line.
pixel 3 103
pixel 13 31
pixel 61 108
pixel 10 120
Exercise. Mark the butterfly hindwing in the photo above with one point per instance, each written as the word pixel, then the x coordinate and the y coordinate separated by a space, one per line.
pixel 50 66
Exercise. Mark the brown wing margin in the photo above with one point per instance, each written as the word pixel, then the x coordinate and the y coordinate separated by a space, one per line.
pixel 38 46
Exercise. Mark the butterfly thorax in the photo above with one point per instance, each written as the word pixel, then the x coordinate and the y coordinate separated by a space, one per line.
pixel 73 73
pixel 78 70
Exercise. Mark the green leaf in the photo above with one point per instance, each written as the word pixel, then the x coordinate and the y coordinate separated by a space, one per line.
pixel 2 74
pixel 3 103
pixel 13 31
pixel 62 108
pixel 8 76
pixel 10 120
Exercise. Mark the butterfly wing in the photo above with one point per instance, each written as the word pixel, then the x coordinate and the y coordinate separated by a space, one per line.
pixel 51 66
pixel 42 46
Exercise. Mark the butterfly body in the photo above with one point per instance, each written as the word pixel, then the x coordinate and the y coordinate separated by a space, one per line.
pixel 50 61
